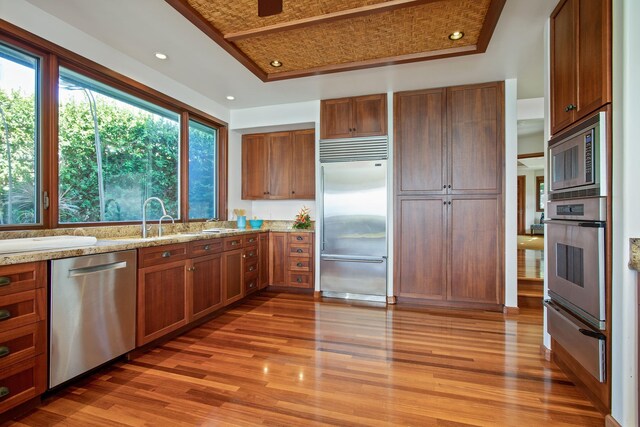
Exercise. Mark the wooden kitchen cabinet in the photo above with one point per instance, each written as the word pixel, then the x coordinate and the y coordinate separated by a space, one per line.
pixel 250 263
pixel 263 254
pixel 580 60
pixel 232 275
pixel 162 292
pixel 278 259
pixel 279 165
pixel 359 116
pixel 23 333
pixel 300 260
pixel 205 285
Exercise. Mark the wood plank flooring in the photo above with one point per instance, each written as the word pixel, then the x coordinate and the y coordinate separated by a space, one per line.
pixel 285 360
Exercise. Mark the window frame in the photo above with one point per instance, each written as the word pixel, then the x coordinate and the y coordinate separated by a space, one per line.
pixel 52 58
pixel 539 180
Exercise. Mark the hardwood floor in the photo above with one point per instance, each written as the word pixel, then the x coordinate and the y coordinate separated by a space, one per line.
pixel 285 360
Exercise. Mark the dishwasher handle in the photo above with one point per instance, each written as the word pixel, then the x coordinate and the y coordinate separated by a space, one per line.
pixel 97 269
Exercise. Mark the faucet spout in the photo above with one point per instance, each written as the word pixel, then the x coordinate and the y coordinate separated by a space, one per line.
pixel 144 214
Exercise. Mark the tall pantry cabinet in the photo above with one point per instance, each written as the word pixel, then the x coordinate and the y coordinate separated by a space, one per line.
pixel 449 164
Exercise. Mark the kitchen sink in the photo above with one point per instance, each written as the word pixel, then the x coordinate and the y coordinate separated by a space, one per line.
pixel 30 244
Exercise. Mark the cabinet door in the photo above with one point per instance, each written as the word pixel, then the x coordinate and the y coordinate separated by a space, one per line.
pixel 303 177
pixel 370 115
pixel 336 118
pixel 420 155
pixel 476 250
pixel 254 167
pixel 563 64
pixel 476 138
pixel 421 248
pixel 280 163
pixel 232 276
pixel 278 255
pixel 263 254
pixel 205 290
pixel 162 304
pixel 594 56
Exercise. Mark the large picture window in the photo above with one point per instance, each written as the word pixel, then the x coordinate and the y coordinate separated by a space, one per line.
pixel 115 151
pixel 19 138
pixel 203 146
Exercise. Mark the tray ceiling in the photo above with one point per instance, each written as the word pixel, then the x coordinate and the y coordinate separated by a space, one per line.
pixel 324 36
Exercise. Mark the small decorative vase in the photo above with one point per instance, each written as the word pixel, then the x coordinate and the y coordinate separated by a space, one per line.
pixel 242 222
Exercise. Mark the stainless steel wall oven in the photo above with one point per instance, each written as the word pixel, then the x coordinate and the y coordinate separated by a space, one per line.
pixel 576 228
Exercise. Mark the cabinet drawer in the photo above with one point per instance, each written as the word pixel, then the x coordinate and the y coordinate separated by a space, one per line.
pixel 250 283
pixel 148 257
pixel 231 243
pixel 300 280
pixel 251 267
pixel 250 253
pixel 22 343
pixel 299 264
pixel 205 247
pixel 22 381
pixel 299 250
pixel 22 309
pixel 22 277
pixel 300 237
pixel 250 240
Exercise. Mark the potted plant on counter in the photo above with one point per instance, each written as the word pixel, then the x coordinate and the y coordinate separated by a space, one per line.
pixel 303 219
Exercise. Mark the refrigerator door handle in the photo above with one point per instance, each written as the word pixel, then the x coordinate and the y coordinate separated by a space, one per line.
pixel 322 192
pixel 350 259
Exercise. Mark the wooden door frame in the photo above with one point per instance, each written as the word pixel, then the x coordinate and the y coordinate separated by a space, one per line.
pixel 522 203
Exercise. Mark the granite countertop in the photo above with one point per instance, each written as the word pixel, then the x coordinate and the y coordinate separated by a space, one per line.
pixel 634 258
pixel 116 239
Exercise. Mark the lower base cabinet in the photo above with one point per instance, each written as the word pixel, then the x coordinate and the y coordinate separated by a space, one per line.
pixel 206 286
pixel 292 259
pixel 232 276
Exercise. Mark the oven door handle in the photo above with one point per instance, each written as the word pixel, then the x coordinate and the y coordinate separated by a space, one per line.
pixel 594 224
pixel 586 224
pixel 592 334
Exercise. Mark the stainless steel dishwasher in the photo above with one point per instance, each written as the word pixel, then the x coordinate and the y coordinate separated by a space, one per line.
pixel 93 310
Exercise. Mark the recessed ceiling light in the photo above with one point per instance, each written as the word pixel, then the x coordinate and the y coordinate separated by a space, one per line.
pixel 161 55
pixel 231 98
pixel 276 63
pixel 456 35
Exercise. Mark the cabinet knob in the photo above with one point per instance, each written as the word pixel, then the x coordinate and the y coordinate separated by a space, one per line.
pixel 444 186
pixel 299 238
pixel 4 281
pixel 252 284
pixel 244 255
pixel 166 254
pixel 4 391
pixel 293 192
pixel 299 279
pixel 234 243
pixel 449 203
pixel 569 108
pixel 299 250
pixel 4 351
pixel 299 264
pixel 449 186
pixel 252 268
pixel 207 247
pixel 191 269
pixel 5 314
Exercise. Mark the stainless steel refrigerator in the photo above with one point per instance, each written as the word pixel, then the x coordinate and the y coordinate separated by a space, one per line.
pixel 353 257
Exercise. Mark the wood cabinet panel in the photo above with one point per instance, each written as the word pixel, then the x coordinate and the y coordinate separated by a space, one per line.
pixel 232 243
pixel 336 118
pixel 420 150
pixel 280 165
pixel 369 115
pixel 22 277
pixel 299 264
pixel 205 286
pixel 162 304
pixel 422 248
pixel 255 151
pixel 278 251
pixel 475 118
pixel 299 250
pixel 158 255
pixel 303 172
pixel 300 280
pixel 205 247
pixel 263 255
pixel 250 240
pixel 476 250
pixel 22 381
pixel 232 276
pixel 563 63
pixel 22 308
pixel 22 343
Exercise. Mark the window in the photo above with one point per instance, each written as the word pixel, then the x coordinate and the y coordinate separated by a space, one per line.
pixel 539 193
pixel 202 171
pixel 19 138
pixel 115 151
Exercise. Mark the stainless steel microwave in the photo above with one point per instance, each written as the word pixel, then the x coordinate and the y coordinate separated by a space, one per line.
pixel 576 160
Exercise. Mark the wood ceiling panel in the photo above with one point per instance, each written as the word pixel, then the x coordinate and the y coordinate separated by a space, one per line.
pixel 320 36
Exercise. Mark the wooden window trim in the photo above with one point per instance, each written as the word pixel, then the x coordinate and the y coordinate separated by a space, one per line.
pixel 54 56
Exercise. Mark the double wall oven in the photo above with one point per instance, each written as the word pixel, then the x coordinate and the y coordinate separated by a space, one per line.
pixel 576 226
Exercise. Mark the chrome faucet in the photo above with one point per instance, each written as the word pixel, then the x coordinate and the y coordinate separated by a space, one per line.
pixel 144 215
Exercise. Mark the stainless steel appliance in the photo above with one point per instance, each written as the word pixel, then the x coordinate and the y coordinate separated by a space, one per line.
pixel 93 307
pixel 353 256
pixel 576 230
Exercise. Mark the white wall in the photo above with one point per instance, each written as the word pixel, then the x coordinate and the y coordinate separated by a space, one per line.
pixel 35 20
pixel 533 143
pixel 511 192
pixel 626 208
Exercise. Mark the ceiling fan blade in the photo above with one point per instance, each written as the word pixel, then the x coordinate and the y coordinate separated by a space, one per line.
pixel 269 7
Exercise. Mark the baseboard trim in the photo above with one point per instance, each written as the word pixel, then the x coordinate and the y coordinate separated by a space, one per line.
pixel 609 421
pixel 317 295
pixel 391 300
pixel 510 310
pixel 545 353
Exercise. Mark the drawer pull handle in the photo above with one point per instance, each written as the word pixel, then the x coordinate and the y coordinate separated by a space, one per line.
pixel 4 391
pixel 252 284
pixel 4 281
pixel 5 314
pixel 299 238
pixel 299 279
pixel 251 254
pixel 4 351
pixel 299 250
pixel 253 267
pixel 234 243
pixel 207 247
pixel 299 264
pixel 166 254
pixel 251 240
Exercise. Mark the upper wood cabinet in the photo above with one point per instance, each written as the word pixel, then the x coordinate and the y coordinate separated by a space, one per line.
pixel 359 116
pixel 279 165
pixel 449 141
pixel 580 60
